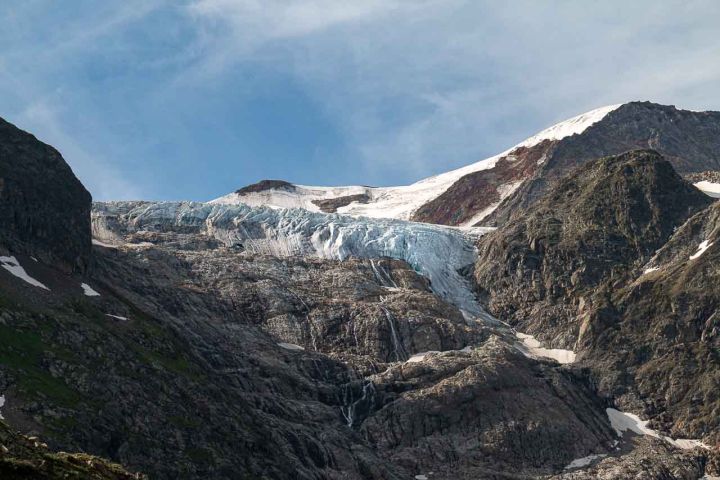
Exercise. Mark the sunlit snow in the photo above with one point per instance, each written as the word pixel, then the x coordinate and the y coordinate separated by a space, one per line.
pixel 622 422
pixel 11 265
pixel 533 348
pixel 709 188
pixel 701 249
pixel 118 317
pixel 290 346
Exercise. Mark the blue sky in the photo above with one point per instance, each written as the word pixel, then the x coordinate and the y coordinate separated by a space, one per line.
pixel 192 99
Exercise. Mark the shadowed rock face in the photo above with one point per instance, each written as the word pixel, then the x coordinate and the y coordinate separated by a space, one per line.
pixel 690 141
pixel 44 209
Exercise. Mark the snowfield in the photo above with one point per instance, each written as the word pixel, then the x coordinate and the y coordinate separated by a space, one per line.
pixel 402 201
pixel 704 245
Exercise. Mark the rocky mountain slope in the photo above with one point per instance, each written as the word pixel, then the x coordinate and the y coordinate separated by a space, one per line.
pixel 617 262
pixel 23 458
pixel 599 222
pixel 232 341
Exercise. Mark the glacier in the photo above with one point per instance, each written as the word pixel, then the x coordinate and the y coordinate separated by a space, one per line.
pixel 437 252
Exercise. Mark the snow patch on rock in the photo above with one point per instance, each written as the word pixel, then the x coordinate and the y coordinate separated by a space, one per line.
pixel 704 245
pixel 97 242
pixel 88 290
pixel 117 317
pixel 532 348
pixel 622 422
pixel 290 346
pixel 13 266
pixel 584 461
pixel 504 191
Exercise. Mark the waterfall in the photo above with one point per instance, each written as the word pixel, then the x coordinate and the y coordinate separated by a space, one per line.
pixel 400 353
pixel 366 400
pixel 382 276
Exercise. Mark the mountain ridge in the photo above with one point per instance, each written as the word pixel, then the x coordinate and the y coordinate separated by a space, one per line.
pixel 488 191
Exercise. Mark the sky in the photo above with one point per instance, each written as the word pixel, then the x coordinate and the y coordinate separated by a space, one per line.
pixel 190 100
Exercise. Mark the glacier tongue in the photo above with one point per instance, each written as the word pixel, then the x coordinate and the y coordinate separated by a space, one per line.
pixel 436 252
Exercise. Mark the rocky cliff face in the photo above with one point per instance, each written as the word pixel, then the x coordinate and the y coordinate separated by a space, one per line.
pixel 600 221
pixel 580 269
pixel 44 209
pixel 669 311
pixel 477 194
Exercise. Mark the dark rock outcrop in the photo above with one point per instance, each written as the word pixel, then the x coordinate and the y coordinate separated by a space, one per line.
pixel 332 204
pixel 689 140
pixel 669 313
pixel 44 209
pixel 478 191
pixel 264 185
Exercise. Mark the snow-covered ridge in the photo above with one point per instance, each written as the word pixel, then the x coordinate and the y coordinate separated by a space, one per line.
pixel 402 201
pixel 437 252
